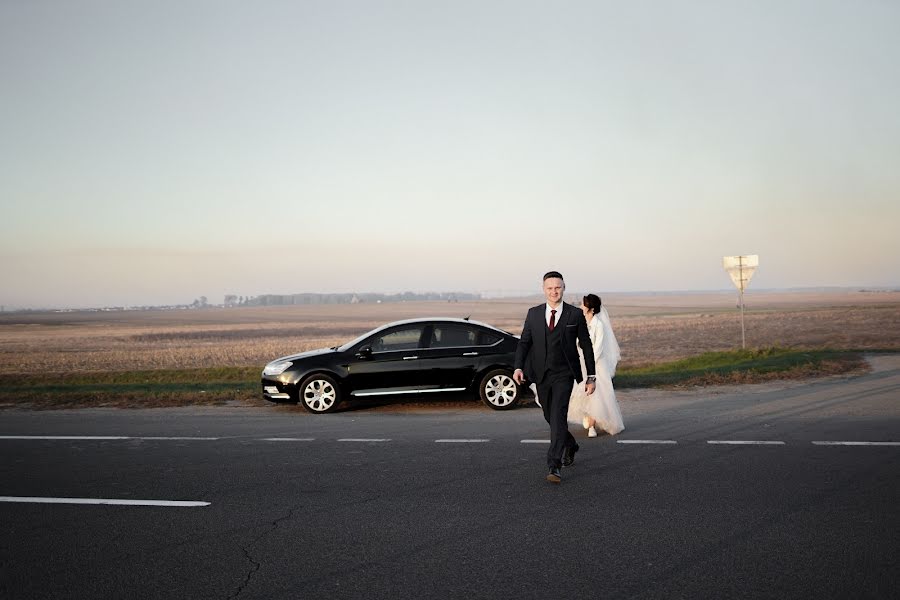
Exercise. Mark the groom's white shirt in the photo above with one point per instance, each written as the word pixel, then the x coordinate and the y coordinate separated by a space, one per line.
pixel 547 310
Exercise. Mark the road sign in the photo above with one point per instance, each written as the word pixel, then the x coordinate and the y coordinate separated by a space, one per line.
pixel 741 269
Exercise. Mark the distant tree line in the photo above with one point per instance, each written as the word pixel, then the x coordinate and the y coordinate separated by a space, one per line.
pixel 311 298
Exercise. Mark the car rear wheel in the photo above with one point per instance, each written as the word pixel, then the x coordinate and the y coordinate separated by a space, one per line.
pixel 319 394
pixel 498 390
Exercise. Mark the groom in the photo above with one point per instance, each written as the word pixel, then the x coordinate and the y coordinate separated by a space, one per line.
pixel 548 357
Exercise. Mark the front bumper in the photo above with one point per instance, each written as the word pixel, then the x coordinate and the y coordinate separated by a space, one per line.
pixel 275 391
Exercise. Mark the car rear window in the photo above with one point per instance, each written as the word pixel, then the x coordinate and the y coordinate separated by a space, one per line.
pixel 452 336
pixel 456 336
pixel 488 338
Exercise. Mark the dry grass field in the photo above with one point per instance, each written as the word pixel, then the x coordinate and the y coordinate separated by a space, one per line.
pixel 650 328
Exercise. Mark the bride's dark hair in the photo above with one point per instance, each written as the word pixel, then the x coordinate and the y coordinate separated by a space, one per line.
pixel 592 301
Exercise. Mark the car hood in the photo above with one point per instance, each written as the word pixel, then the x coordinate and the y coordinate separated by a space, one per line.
pixel 307 354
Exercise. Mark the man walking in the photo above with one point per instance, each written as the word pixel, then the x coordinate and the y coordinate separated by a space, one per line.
pixel 547 356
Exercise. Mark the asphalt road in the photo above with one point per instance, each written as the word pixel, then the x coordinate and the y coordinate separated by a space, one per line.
pixel 303 506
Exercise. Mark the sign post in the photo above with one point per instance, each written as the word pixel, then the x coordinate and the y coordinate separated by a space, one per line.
pixel 741 269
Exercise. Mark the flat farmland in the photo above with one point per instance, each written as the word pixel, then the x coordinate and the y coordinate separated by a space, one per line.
pixel 651 328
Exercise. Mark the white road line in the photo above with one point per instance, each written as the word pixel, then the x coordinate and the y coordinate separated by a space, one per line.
pixel 856 443
pixel 199 439
pixel 446 441
pixel 36 500
pixel 102 437
pixel 63 437
pixel 746 442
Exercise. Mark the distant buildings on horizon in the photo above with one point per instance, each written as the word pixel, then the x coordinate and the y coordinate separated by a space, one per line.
pixel 346 298
pixel 235 301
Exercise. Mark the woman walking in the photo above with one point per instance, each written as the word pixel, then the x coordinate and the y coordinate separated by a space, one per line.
pixel 600 409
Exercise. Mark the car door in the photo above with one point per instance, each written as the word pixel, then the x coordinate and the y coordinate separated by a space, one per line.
pixel 388 361
pixel 452 356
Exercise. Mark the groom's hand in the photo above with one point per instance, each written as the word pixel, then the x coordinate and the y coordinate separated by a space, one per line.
pixel 519 376
pixel 589 387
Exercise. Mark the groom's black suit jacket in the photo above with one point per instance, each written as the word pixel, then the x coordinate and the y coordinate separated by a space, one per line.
pixel 531 354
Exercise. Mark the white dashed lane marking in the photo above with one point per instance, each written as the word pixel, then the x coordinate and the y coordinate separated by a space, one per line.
pixel 103 437
pixel 39 500
pixel 63 437
pixel 176 438
pixel 746 442
pixel 856 443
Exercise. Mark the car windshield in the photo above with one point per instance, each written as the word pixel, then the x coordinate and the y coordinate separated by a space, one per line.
pixel 358 340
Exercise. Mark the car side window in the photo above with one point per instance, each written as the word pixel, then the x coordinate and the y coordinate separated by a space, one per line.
pixel 488 338
pixel 452 336
pixel 399 339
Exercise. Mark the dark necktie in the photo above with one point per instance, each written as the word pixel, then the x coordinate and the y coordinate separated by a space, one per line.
pixel 552 318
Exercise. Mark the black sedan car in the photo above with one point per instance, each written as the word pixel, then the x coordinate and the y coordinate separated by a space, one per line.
pixel 406 357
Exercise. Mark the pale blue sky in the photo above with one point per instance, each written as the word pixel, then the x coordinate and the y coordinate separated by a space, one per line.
pixel 154 152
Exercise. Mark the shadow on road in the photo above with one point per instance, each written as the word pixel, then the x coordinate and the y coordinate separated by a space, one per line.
pixel 416 402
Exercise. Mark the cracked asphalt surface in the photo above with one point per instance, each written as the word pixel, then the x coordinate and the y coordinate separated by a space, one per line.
pixel 413 518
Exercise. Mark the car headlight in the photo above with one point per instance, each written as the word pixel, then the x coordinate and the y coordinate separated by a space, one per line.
pixel 276 368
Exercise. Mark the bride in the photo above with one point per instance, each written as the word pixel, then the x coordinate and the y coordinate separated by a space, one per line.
pixel 600 409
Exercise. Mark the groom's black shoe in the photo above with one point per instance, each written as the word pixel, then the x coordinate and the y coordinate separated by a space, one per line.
pixel 569 455
pixel 553 476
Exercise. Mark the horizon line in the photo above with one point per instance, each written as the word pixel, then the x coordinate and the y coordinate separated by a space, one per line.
pixel 484 295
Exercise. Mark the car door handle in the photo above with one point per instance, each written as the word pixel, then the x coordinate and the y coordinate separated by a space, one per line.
pixel 410 357
pixel 470 354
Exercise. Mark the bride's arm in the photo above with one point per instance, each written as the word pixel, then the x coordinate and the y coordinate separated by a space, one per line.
pixel 596 336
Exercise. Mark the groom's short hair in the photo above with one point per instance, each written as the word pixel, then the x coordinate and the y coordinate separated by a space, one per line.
pixel 552 274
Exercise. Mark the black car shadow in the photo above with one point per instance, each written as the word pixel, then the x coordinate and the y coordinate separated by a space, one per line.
pixel 417 402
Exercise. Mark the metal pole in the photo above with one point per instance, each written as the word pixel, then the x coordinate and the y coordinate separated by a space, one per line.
pixel 741 267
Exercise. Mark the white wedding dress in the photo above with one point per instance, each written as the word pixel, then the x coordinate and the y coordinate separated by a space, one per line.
pixel 601 405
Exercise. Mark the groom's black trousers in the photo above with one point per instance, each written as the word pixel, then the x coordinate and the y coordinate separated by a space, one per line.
pixel 554 393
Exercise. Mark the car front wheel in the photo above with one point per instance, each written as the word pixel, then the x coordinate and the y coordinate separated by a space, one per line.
pixel 498 390
pixel 319 394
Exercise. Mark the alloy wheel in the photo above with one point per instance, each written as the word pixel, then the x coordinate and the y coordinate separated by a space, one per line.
pixel 319 395
pixel 500 390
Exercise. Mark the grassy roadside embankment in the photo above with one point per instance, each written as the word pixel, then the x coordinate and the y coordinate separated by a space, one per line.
pixel 132 389
pixel 742 366
pixel 224 385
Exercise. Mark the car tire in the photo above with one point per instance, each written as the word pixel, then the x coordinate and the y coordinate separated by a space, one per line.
pixel 498 390
pixel 319 393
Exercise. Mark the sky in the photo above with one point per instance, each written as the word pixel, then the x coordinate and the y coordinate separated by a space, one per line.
pixel 156 152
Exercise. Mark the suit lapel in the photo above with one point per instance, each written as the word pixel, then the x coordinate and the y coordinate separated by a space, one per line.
pixel 563 319
pixel 540 328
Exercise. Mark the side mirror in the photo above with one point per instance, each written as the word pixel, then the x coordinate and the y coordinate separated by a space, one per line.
pixel 364 353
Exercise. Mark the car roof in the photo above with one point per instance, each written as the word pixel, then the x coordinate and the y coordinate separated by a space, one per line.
pixel 439 320
pixel 364 336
